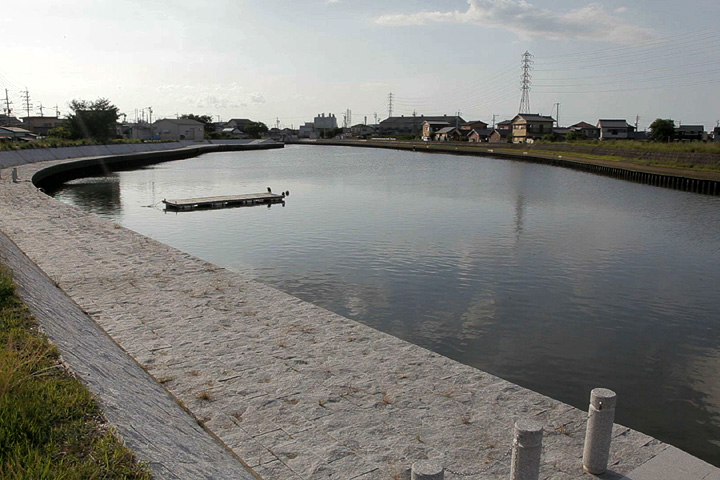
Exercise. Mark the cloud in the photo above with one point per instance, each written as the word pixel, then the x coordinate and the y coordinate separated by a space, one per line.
pixel 212 96
pixel 621 10
pixel 590 22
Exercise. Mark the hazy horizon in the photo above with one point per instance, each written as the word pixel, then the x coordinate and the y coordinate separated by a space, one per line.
pixel 293 60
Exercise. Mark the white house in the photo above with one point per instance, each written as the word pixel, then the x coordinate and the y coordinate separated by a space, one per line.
pixel 178 129
pixel 614 129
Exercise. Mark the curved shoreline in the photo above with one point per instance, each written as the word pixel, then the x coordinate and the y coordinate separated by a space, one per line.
pixel 702 182
pixel 292 389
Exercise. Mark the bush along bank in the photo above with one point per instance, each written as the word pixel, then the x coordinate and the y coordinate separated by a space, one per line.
pixel 50 425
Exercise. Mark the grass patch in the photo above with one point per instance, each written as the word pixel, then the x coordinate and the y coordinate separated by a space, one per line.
pixel 52 142
pixel 681 147
pixel 50 425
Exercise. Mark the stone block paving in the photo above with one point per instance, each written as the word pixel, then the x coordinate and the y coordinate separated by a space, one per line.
pixel 294 390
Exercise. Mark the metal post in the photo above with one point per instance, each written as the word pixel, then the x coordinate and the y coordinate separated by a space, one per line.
pixel 527 447
pixel 427 470
pixel 15 175
pixel 601 416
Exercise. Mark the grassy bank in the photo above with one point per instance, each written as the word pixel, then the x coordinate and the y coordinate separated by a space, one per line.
pixel 679 147
pixel 52 142
pixel 50 426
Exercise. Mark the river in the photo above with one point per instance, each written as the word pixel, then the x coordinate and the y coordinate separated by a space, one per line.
pixel 558 280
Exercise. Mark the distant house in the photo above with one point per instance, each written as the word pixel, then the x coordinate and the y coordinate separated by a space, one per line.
pixel 448 134
pixel 497 136
pixel 307 131
pixel 412 125
pixel 614 129
pixel 135 131
pixel 178 129
pixel 479 135
pixel 504 127
pixel 586 130
pixel 9 121
pixel 234 132
pixel 560 133
pixel 716 134
pixel 686 133
pixel 361 130
pixel 41 125
pixel 429 128
pixel 280 135
pixel 16 134
pixel 468 126
pixel 239 123
pixel 528 127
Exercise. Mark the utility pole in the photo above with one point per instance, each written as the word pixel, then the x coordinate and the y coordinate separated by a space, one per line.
pixel 457 119
pixel 493 121
pixel 376 117
pixel 365 120
pixel 390 105
pixel 277 123
pixel 637 122
pixel 526 81
pixel 8 110
pixel 57 111
pixel 41 109
pixel 557 119
pixel 25 94
pixel 150 115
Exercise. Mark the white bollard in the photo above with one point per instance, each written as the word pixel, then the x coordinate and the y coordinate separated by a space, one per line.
pixel 527 448
pixel 427 470
pixel 601 416
pixel 14 175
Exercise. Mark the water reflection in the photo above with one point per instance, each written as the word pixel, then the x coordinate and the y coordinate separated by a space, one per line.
pixel 558 280
pixel 98 195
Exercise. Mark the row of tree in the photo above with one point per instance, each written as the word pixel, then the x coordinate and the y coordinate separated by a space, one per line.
pixel 96 120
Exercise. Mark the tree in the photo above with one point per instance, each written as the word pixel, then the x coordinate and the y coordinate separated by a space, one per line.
pixel 662 130
pixel 206 120
pixel 573 135
pixel 255 129
pixel 94 120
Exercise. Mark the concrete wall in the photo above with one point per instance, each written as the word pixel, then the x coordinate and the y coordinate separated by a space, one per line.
pixel 14 158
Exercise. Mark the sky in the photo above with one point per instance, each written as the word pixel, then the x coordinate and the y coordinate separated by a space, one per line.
pixel 283 62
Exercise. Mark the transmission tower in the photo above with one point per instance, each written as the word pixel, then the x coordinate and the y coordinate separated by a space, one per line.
pixel 526 81
pixel 390 104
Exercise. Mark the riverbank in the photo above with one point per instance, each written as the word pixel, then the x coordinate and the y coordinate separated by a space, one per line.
pixel 695 172
pixel 294 390
pixel 50 426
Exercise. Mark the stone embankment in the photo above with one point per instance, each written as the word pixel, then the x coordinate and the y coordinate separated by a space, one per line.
pixel 295 391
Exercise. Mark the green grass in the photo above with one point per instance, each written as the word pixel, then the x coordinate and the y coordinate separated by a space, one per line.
pixel 51 142
pixel 682 147
pixel 50 425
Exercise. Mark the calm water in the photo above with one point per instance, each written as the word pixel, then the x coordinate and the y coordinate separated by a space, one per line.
pixel 558 280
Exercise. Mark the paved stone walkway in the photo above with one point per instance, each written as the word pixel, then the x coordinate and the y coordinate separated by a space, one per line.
pixel 148 419
pixel 294 390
